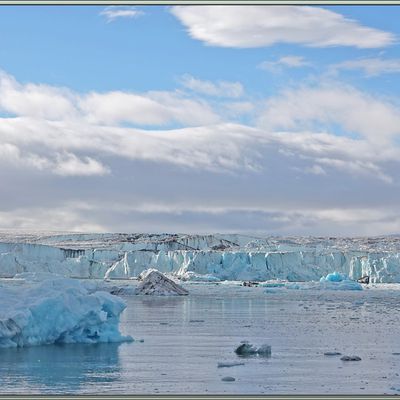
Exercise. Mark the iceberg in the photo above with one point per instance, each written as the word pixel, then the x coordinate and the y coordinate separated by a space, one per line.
pixel 334 277
pixel 58 311
pixel 156 284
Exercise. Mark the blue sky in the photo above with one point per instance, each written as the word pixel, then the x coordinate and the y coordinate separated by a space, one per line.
pixel 279 120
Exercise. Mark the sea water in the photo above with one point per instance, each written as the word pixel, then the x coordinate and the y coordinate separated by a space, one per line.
pixel 184 339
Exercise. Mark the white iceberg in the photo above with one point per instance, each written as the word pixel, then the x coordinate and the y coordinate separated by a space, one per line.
pixel 157 284
pixel 58 311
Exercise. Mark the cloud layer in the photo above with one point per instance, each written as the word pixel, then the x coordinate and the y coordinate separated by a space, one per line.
pixel 109 161
pixel 260 26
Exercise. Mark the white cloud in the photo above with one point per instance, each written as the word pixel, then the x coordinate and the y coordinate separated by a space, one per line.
pixel 71 165
pixel 164 178
pixel 152 108
pixel 370 66
pixel 259 26
pixel 219 89
pixel 41 101
pixel 114 12
pixel 286 61
pixel 320 107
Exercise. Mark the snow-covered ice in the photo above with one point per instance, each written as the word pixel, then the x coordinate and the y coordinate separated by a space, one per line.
pixel 58 311
pixel 214 257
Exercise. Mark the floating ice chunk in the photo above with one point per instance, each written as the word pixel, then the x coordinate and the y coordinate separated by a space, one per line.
pixel 350 358
pixel 37 276
pixel 192 276
pixel 264 350
pixel 229 364
pixel 58 311
pixel 228 379
pixel 273 284
pixel 327 284
pixel 334 277
pixel 157 284
pixel 247 349
pixel 343 285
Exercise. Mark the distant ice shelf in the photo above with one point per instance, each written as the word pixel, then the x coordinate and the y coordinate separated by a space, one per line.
pixel 199 257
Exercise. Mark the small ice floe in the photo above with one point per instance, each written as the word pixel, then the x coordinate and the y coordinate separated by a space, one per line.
pixel 154 283
pixel 58 311
pixel 229 364
pixel 228 379
pixel 37 276
pixel 332 353
pixel 350 358
pixel 337 281
pixel 273 284
pixel 333 281
pixel 192 276
pixel 248 349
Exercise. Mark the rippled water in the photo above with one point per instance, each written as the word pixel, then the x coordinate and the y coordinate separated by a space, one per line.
pixel 185 338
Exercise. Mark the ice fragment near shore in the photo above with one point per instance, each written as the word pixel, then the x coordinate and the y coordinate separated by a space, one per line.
pixel 58 311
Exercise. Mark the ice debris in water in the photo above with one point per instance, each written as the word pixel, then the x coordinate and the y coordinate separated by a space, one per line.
pixel 333 281
pixel 58 311
pixel 155 283
pixel 339 281
pixel 350 358
pixel 334 277
pixel 332 353
pixel 248 349
pixel 192 276
pixel 229 364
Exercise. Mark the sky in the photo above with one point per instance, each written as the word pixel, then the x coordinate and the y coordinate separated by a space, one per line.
pixel 281 120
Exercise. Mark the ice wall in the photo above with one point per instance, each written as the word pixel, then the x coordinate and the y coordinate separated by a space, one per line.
pixel 232 257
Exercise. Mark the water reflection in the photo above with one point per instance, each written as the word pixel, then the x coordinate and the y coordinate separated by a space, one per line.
pixel 59 368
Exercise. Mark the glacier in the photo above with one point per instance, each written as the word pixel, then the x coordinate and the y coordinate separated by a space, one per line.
pixel 215 257
pixel 58 310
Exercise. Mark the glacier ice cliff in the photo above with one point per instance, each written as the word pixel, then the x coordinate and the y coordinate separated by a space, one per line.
pixel 199 257
pixel 58 311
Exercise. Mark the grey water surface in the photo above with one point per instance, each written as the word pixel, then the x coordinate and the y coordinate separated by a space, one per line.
pixel 186 337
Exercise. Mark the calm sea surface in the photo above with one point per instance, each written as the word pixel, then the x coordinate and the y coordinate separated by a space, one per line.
pixel 186 337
